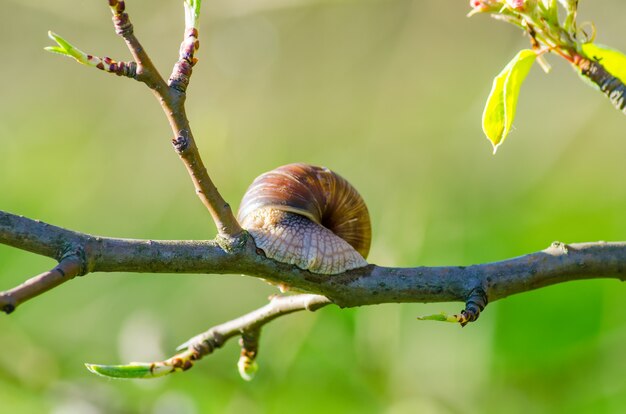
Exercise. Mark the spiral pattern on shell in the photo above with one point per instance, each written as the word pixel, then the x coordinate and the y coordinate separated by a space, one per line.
pixel 308 216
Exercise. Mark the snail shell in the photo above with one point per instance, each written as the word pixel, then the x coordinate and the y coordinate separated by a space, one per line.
pixel 308 216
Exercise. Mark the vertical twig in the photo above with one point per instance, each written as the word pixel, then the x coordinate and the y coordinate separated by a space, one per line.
pixel 171 96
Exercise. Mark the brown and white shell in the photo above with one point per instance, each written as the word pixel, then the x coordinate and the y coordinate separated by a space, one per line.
pixel 307 216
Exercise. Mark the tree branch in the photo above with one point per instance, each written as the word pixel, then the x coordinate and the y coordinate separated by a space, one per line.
pixel 171 96
pixel 247 326
pixel 364 286
pixel 70 266
pixel 146 71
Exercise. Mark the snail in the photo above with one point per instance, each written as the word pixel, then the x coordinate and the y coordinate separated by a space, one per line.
pixel 307 216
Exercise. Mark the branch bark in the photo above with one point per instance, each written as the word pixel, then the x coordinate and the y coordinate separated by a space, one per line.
pixel 247 326
pixel 364 286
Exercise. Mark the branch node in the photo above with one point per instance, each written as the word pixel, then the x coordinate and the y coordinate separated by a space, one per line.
pixel 181 74
pixel 8 308
pixel 249 343
pixel 476 303
pixel 117 6
pixel 181 142
pixel 73 254
pixel 564 248
pixel 122 24
pixel 179 80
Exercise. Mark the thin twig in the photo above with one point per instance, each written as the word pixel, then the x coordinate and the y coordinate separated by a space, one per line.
pixel 70 266
pixel 249 342
pixel 146 71
pixel 172 96
pixel 247 326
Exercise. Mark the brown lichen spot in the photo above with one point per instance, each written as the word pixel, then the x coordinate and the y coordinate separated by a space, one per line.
pixel 188 364
pixel 100 66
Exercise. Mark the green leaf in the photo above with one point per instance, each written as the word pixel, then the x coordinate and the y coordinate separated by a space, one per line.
pixel 132 370
pixel 552 14
pixel 439 317
pixel 613 60
pixel 55 49
pixel 502 101
pixel 247 369
pixel 570 7
pixel 67 49
pixel 192 12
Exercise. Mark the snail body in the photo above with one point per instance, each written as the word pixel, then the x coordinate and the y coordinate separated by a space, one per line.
pixel 307 216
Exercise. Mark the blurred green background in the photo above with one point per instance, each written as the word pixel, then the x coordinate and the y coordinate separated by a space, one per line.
pixel 387 92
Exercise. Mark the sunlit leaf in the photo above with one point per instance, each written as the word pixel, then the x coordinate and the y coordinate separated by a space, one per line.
pixel 67 49
pixel 613 60
pixel 56 49
pixel 439 317
pixel 569 23
pixel 553 11
pixel 192 12
pixel 132 370
pixel 502 101
pixel 247 369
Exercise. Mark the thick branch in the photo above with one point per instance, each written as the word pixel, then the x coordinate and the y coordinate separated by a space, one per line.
pixel 365 286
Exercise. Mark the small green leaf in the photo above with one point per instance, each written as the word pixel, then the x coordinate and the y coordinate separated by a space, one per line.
pixel 132 370
pixel 502 101
pixel 570 7
pixel 192 12
pixel 613 60
pixel 439 317
pixel 56 49
pixel 247 369
pixel 67 49
pixel 552 13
